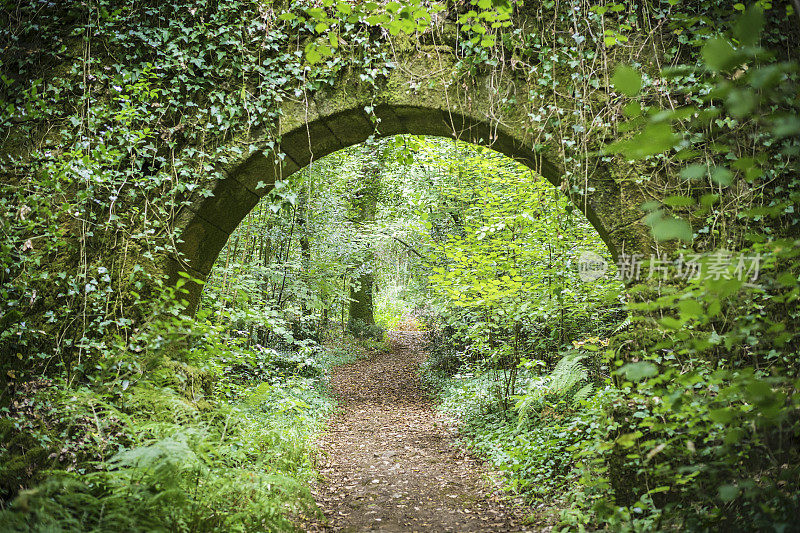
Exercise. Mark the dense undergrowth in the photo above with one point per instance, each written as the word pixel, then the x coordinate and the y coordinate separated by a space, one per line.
pixel 538 443
pixel 535 450
pixel 569 441
pixel 537 433
pixel 216 437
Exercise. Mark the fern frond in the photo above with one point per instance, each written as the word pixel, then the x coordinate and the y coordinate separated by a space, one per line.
pixel 560 386
pixel 568 372
pixel 583 394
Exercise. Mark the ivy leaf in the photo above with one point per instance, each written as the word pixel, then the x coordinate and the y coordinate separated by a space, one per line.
pixel 312 54
pixel 679 201
pixel 343 8
pixel 628 439
pixel 690 308
pixel 786 126
pixel 749 26
pixel 316 13
pixel 654 139
pixel 721 416
pixel 708 200
pixel 721 176
pixel 291 198
pixel 671 323
pixel 376 20
pixel 740 102
pixel 694 172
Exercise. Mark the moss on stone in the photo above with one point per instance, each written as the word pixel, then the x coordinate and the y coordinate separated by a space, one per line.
pixel 22 460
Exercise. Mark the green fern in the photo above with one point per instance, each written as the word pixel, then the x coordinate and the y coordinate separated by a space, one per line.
pixel 568 372
pixel 222 467
pixel 583 394
pixel 561 385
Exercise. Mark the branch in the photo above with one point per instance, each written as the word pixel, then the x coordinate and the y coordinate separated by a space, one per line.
pixel 398 239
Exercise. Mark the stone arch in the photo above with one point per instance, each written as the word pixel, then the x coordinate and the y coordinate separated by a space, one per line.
pixel 349 113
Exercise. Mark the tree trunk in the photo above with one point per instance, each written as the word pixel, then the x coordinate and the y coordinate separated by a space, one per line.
pixel 363 206
pixel 305 245
pixel 361 307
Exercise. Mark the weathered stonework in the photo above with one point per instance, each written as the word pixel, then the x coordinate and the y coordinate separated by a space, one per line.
pixel 422 96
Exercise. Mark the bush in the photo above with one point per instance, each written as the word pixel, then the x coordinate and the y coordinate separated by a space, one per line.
pixel 186 449
pixel 363 330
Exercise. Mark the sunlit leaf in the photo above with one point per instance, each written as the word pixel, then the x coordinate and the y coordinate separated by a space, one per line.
pixel 654 139
pixel 627 440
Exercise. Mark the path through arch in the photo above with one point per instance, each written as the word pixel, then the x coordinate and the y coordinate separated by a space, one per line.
pixel 389 462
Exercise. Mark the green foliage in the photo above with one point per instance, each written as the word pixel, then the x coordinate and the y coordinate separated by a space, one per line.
pixel 482 22
pixel 200 479
pixel 542 457
pixel 504 267
pixel 119 412
pixel 691 430
pixel 713 394
pixel 364 330
pixel 565 386
pixel 391 312
pixel 186 461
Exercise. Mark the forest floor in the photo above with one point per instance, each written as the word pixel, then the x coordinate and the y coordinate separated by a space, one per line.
pixel 389 462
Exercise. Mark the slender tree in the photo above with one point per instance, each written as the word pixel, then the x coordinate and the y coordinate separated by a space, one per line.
pixel 363 208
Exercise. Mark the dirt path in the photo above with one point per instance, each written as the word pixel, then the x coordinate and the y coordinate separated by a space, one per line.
pixel 388 461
